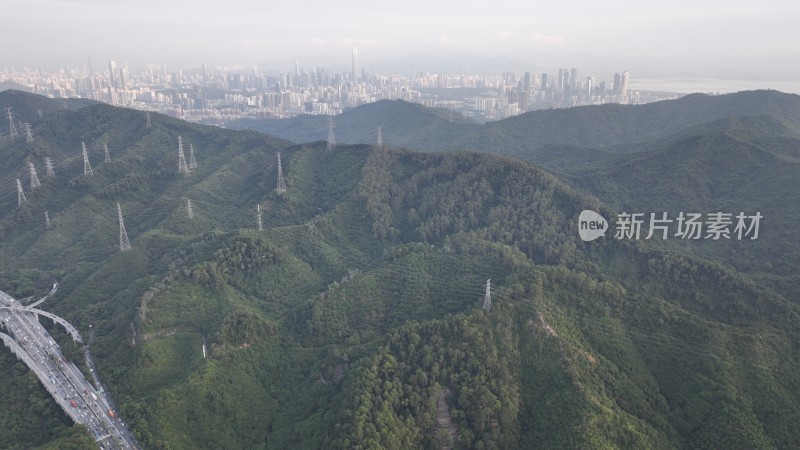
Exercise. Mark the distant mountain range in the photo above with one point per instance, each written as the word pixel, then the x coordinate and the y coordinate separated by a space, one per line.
pixel 403 299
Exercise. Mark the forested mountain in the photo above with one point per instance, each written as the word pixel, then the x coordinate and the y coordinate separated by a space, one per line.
pixel 402 124
pixel 358 318
pixel 700 153
pixel 531 135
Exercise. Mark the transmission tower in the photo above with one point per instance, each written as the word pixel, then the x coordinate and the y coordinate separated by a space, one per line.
pixel 20 194
pixel 380 137
pixel 34 179
pixel 148 120
pixel 260 224
pixel 87 168
pixel 487 300
pixel 189 209
pixel 182 167
pixel 48 164
pixel 124 243
pixel 28 133
pixel 11 128
pixel 331 137
pixel 192 161
pixel 281 187
pixel 105 151
pixel 47 219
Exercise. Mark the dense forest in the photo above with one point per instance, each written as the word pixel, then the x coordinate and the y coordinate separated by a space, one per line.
pixel 357 317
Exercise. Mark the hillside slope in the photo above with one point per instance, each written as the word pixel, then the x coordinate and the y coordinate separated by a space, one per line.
pixel 358 316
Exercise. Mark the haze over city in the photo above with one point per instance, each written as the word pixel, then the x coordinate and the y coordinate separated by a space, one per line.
pixel 737 38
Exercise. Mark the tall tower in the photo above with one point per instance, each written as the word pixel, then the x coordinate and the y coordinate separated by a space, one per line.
pixel 623 89
pixel 124 243
pixel 281 185
pixel 112 67
pixel 11 128
pixel 487 299
pixel 355 64
pixel 20 194
pixel 192 161
pixel 48 165
pixel 182 167
pixel 331 137
pixel 380 138
pixel 105 152
pixel 87 168
pixel 34 179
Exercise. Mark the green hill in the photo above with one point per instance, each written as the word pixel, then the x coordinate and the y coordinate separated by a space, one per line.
pixel 357 317
pixel 529 135
pixel 402 124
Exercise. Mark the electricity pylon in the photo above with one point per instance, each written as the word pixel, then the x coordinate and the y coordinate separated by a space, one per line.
pixel 47 219
pixel 124 243
pixel 189 211
pixel 48 165
pixel 20 194
pixel 148 120
pixel 380 138
pixel 34 179
pixel 260 224
pixel 28 133
pixel 87 168
pixel 183 168
pixel 487 300
pixel 105 152
pixel 281 187
pixel 192 161
pixel 11 128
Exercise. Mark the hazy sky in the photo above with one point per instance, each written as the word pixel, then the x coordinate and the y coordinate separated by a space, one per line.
pixel 318 32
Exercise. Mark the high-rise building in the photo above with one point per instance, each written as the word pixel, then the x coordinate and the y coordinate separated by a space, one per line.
pixel 617 84
pixel 355 64
pixel 623 95
pixel 112 68
pixel 573 78
pixel 543 83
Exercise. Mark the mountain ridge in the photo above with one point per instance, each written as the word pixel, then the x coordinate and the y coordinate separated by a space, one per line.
pixel 341 322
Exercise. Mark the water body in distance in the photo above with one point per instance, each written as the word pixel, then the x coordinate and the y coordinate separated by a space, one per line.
pixel 686 85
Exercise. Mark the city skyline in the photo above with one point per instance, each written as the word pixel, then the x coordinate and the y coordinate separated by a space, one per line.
pixel 667 37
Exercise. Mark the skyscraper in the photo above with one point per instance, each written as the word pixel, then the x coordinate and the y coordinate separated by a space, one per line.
pixel 112 67
pixel 355 64
pixel 623 94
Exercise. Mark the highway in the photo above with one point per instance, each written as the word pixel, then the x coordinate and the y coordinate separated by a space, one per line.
pixel 26 338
